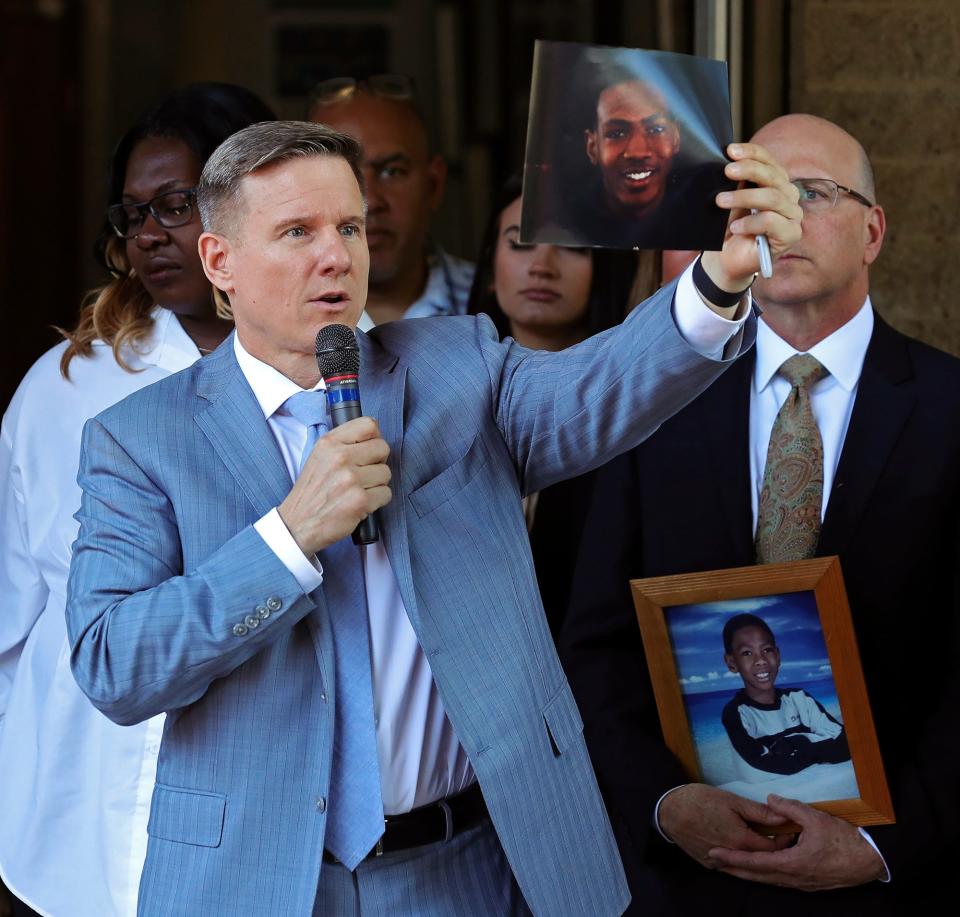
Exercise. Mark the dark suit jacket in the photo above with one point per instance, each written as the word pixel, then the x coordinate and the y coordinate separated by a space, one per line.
pixel 680 502
pixel 555 539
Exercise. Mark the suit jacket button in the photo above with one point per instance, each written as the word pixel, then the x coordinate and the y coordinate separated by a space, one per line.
pixel 263 611
pixel 251 621
pixel 274 604
pixel 321 804
pixel 240 629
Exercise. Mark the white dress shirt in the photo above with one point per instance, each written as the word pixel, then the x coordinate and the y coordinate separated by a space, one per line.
pixel 75 789
pixel 842 354
pixel 421 759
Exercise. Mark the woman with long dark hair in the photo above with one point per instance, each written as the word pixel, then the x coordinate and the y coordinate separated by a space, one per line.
pixel 76 787
pixel 550 297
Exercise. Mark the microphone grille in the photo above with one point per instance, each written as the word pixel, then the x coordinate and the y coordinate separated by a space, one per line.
pixel 337 352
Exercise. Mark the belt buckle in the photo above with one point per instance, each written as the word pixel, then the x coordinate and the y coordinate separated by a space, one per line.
pixel 448 815
pixel 378 847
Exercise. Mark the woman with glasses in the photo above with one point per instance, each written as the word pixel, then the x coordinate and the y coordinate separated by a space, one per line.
pixel 549 297
pixel 76 788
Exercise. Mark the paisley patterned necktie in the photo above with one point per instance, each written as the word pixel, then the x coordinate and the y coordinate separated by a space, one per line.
pixel 791 498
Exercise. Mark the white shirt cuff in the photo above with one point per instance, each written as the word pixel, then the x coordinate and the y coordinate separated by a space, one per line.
pixel 873 844
pixel 656 814
pixel 701 327
pixel 306 570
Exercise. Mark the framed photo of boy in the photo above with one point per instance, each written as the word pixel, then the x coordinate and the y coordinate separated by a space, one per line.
pixel 759 687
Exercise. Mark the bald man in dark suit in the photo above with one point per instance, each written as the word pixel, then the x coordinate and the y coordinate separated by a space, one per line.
pixel 889 414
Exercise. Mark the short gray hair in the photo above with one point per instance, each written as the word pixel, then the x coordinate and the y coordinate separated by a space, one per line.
pixel 256 147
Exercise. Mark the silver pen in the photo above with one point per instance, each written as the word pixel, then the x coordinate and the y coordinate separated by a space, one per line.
pixel 763 248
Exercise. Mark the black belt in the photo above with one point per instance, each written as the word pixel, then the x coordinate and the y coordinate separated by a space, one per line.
pixel 438 821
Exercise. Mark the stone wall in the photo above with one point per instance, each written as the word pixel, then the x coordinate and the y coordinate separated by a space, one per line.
pixel 888 72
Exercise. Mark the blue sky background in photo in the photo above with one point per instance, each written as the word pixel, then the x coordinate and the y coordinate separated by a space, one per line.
pixel 696 634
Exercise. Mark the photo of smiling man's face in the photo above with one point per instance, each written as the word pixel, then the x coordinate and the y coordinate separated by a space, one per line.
pixel 634 143
pixel 625 149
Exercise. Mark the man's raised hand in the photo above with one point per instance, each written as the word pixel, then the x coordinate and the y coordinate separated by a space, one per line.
pixel 778 216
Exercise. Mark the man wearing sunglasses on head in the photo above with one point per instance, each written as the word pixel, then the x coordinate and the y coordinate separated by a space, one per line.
pixel 410 276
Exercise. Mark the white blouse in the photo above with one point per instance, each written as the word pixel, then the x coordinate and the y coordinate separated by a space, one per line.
pixel 75 788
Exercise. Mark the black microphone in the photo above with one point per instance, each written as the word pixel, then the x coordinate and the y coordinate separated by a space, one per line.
pixel 338 360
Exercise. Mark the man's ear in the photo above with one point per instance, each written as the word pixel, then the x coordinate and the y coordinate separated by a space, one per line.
pixel 437 179
pixel 728 659
pixel 215 257
pixel 590 138
pixel 874 228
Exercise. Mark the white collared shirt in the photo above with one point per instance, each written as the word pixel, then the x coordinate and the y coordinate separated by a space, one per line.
pixel 421 759
pixel 75 789
pixel 842 353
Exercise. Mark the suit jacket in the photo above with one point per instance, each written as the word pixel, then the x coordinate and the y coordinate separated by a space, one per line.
pixel 555 540
pixel 167 563
pixel 680 503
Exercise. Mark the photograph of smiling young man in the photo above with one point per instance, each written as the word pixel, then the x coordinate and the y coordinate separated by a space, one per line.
pixel 634 143
pixel 625 148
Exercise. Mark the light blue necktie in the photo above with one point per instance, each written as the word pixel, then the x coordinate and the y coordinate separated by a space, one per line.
pixel 355 812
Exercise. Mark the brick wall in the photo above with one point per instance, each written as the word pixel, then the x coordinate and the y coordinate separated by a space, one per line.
pixel 889 72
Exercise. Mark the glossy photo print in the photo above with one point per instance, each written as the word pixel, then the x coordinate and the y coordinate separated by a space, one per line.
pixel 625 148
pixel 758 688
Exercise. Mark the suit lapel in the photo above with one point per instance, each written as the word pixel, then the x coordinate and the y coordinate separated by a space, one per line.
pixel 383 382
pixel 234 423
pixel 725 418
pixel 884 401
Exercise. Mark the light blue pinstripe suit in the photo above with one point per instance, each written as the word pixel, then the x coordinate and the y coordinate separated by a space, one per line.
pixel 167 563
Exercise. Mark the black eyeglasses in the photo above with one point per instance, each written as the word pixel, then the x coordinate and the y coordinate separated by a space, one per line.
pixel 818 195
pixel 170 209
pixel 341 88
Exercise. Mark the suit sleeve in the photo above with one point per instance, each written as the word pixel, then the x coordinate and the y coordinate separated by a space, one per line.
pixel 147 636
pixel 602 654
pixel 563 414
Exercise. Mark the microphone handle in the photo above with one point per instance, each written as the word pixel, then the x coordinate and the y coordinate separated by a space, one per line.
pixel 343 402
pixel 367 532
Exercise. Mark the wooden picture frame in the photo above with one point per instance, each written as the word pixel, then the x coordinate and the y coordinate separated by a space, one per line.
pixel 766 586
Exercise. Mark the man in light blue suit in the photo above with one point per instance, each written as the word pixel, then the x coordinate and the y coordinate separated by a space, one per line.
pixel 385 730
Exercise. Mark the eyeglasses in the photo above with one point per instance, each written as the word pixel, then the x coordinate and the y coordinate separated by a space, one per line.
pixel 170 209
pixel 817 195
pixel 341 88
